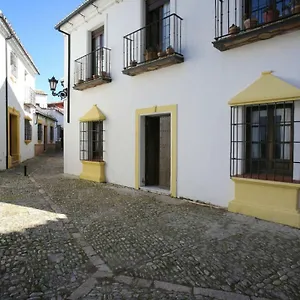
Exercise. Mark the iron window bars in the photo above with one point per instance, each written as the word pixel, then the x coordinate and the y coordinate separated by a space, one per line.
pixel 92 66
pixel 153 40
pixel 40 132
pixel 14 64
pixel 234 12
pixel 28 130
pixel 91 141
pixel 265 142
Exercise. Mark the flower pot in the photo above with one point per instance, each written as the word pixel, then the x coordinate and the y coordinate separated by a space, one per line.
pixel 103 74
pixel 296 9
pixel 250 23
pixel 271 15
pixel 233 29
pixel 161 54
pixel 80 81
pixel 150 55
pixel 95 76
pixel 133 63
pixel 170 51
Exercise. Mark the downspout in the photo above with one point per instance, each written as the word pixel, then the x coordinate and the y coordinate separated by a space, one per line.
pixel 69 73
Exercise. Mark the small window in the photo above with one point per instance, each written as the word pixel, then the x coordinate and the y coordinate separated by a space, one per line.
pixel 51 133
pixel 262 142
pixel 91 141
pixel 28 130
pixel 40 132
pixel 14 64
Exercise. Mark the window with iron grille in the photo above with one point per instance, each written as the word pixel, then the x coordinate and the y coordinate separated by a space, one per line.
pixel 40 132
pixel 91 141
pixel 51 133
pixel 28 130
pixel 14 64
pixel 264 140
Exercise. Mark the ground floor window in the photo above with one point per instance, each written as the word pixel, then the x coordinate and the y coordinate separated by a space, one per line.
pixel 264 139
pixel 40 132
pixel 51 133
pixel 91 141
pixel 27 130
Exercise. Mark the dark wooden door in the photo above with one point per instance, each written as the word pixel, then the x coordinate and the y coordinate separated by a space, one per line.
pixel 152 151
pixel 165 152
pixel 45 137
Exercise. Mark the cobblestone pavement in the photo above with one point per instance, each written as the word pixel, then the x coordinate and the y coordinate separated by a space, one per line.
pixel 64 237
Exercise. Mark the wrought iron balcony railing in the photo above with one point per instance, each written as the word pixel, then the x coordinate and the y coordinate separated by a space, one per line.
pixel 29 96
pixel 152 42
pixel 232 16
pixel 94 66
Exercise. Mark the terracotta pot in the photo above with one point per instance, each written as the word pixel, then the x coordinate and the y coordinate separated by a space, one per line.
pixel 296 9
pixel 271 15
pixel 250 23
pixel 133 63
pixel 161 54
pixel 170 51
pixel 80 81
pixel 150 55
pixel 103 74
pixel 233 29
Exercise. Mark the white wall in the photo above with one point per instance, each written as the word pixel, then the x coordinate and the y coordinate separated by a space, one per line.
pixel 201 87
pixel 42 100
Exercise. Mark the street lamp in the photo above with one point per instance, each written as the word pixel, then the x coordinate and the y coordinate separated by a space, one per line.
pixel 53 83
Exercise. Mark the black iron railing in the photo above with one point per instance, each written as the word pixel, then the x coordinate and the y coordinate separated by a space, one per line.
pixel 153 41
pixel 232 16
pixel 93 65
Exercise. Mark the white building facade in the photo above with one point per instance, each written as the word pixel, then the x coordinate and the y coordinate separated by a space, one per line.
pixel 17 98
pixel 188 105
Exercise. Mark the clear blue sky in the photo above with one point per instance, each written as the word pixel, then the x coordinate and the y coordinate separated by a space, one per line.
pixel 34 21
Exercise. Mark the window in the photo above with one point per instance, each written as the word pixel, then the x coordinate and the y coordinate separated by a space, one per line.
pixel 91 141
pixel 158 26
pixel 262 141
pixel 51 133
pixel 97 51
pixel 14 64
pixel 40 132
pixel 28 130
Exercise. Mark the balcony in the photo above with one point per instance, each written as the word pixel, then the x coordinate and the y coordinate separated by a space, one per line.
pixel 238 23
pixel 29 96
pixel 92 69
pixel 155 46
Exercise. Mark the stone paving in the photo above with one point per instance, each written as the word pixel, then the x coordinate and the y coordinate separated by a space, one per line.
pixel 65 238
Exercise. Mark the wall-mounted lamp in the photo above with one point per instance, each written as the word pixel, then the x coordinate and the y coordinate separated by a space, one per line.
pixel 53 83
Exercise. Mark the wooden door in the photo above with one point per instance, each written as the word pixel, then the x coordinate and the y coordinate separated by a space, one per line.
pixel 45 137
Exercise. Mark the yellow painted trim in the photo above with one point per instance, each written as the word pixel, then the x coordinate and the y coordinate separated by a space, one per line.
pixel 267 88
pixel 27 142
pixel 27 118
pixel 93 171
pixel 13 78
pixel 268 200
pixel 172 109
pixel 15 157
pixel 40 121
pixel 94 114
pixel 39 141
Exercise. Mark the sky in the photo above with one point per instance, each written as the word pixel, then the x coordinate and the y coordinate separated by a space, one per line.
pixel 34 21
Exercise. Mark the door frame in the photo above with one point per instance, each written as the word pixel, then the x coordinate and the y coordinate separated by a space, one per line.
pixel 16 114
pixel 140 141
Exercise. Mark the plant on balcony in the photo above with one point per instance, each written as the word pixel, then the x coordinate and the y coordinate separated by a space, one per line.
pixel 270 13
pixel 150 54
pixel 161 53
pixel 133 63
pixel 170 50
pixel 233 29
pixel 88 78
pixel 250 22
pixel 80 81
pixel 95 76
pixel 295 7
pixel 103 74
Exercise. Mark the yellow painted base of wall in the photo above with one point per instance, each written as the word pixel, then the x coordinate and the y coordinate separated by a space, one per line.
pixel 93 171
pixel 268 200
pixel 13 160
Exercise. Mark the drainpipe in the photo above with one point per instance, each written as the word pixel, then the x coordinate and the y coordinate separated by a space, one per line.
pixel 69 73
pixel 6 88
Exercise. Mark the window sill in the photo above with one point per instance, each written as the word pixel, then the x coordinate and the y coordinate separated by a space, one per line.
pixel 155 64
pixel 263 32
pixel 267 178
pixel 27 142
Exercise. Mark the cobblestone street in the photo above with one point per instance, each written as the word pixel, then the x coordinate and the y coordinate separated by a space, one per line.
pixel 64 238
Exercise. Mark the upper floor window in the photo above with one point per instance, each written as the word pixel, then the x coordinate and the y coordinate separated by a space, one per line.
pixel 14 64
pixel 28 130
pixel 40 132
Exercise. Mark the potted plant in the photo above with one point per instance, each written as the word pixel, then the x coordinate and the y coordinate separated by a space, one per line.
pixel 270 13
pixel 80 81
pixel 295 7
pixel 150 54
pixel 88 78
pixel 250 22
pixel 233 29
pixel 95 76
pixel 133 63
pixel 103 74
pixel 161 53
pixel 170 50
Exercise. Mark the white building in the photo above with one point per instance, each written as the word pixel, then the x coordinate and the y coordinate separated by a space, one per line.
pixel 17 98
pixel 216 121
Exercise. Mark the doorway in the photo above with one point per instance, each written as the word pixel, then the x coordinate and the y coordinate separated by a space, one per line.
pixel 45 138
pixel 158 151
pixel 13 137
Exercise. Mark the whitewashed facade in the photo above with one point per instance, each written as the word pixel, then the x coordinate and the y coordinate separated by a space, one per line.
pixel 199 89
pixel 20 96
